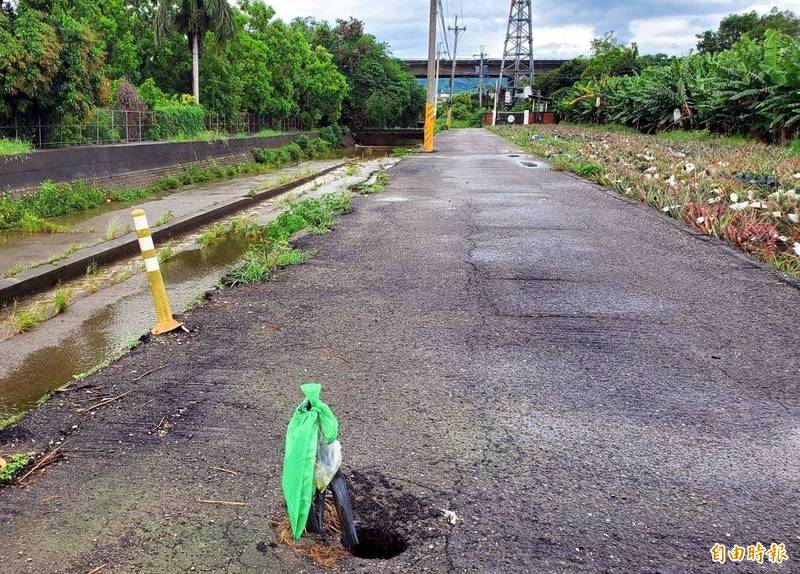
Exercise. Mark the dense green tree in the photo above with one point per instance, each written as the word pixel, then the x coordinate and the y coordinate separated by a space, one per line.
pixel 610 57
pixel 50 62
pixel 194 18
pixel 382 93
pixel 734 26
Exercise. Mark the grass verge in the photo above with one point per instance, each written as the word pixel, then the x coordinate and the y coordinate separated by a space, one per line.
pixel 32 212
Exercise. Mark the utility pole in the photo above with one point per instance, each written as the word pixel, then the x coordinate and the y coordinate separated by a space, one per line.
pixel 457 30
pixel 482 56
pixel 430 102
pixel 439 53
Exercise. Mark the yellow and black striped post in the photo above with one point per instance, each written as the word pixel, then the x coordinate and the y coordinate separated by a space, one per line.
pixel 164 320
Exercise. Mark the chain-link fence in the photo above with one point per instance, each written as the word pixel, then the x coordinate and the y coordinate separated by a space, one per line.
pixel 109 126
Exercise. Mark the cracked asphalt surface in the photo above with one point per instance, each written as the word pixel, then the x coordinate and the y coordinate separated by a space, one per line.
pixel 588 385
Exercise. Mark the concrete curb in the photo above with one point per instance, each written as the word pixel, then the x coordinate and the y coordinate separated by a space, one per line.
pixel 41 278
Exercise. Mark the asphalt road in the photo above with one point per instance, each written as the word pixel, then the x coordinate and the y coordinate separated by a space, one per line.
pixel 588 385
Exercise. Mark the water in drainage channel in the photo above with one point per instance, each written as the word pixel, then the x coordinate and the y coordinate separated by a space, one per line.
pixel 122 314
pixel 104 323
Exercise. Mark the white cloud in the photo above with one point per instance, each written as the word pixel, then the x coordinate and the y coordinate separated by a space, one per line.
pixel 672 35
pixel 561 30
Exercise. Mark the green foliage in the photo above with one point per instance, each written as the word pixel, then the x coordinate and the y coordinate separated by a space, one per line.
pixel 61 300
pixel 733 27
pixel 52 61
pixel 381 92
pixel 11 465
pixel 302 148
pixel 13 146
pixel 175 120
pixel 269 244
pixel 751 89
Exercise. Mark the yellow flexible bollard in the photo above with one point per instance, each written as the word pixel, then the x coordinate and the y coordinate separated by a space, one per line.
pixel 164 320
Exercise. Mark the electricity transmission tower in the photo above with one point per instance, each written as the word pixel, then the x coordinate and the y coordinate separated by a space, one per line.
pixel 517 63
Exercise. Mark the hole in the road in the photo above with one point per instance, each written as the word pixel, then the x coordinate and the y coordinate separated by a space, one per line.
pixel 513 155
pixel 529 164
pixel 378 544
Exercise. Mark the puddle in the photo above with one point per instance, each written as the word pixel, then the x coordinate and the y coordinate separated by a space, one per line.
pixel 529 164
pixel 110 328
pixel 391 199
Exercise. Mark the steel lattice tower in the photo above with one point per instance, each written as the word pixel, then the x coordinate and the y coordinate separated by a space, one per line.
pixel 518 50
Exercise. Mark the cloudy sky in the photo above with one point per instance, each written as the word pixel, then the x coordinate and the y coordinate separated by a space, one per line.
pixel 562 28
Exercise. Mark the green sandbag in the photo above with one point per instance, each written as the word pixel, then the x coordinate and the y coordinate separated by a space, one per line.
pixel 311 419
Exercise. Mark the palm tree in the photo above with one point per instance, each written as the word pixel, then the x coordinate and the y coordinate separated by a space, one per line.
pixel 194 18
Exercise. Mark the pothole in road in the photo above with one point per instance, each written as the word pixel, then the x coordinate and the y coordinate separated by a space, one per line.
pixel 513 155
pixel 529 164
pixel 378 544
pixel 391 522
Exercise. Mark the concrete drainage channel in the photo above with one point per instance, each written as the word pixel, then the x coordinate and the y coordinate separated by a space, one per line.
pixel 100 324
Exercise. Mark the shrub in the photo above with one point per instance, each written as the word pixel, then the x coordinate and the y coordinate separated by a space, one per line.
pixel 303 141
pixel 333 135
pixel 177 120
pixel 295 151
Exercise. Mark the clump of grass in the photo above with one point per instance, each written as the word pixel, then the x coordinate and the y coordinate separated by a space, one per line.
pixel 381 181
pixel 260 261
pixel 403 151
pixel 32 223
pixel 24 320
pixel 351 170
pixel 113 228
pixel 269 244
pixel 165 217
pixel 61 300
pixel 92 268
pixel 14 146
pixel 166 252
pixel 213 235
pixel 18 268
pixel 11 420
pixel 12 464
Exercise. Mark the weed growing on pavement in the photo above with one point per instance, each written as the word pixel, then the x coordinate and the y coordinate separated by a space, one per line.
pixel 113 229
pixel 736 189
pixel 166 252
pixel 268 244
pixel 11 464
pixel 351 170
pixel 381 181
pixel 23 320
pixel 11 420
pixel 61 300
pixel 165 217
pixel 92 268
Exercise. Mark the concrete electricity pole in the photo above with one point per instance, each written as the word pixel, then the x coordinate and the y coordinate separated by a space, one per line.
pixel 439 53
pixel 482 56
pixel 430 102
pixel 457 30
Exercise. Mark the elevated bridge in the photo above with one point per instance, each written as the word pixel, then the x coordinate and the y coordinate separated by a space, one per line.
pixel 468 68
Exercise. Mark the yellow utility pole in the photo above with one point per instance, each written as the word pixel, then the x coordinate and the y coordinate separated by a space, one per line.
pixel 430 103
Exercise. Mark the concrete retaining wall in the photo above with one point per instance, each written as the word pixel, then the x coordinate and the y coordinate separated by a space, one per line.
pixel 389 137
pixel 125 165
